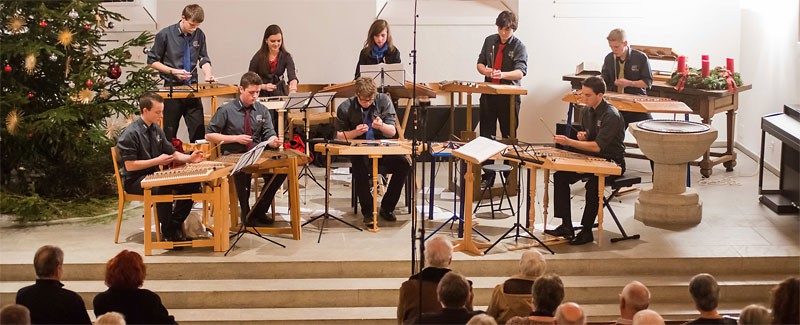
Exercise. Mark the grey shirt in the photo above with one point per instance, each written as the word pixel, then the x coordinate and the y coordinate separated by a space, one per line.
pixel 229 120
pixel 169 46
pixel 140 141
pixel 637 67
pixel 605 126
pixel 350 114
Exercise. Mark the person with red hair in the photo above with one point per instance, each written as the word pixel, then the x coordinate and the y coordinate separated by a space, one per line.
pixel 125 275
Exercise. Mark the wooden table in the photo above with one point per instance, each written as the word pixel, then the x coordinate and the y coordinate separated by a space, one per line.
pixel 705 103
pixel 375 152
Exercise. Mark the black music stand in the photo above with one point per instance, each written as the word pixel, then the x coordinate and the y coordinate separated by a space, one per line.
pixel 247 159
pixel 327 215
pixel 391 75
pixel 303 102
pixel 517 225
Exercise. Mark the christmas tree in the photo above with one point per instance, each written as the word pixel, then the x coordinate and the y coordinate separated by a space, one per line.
pixel 60 84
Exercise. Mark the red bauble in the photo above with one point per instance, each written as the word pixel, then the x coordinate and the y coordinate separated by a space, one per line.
pixel 87 27
pixel 30 95
pixel 43 24
pixel 7 69
pixel 114 71
pixel 30 135
pixel 89 83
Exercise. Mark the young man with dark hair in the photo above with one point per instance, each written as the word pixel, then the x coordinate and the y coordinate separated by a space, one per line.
pixel 143 147
pixel 603 138
pixel 241 124
pixel 47 300
pixel 371 116
pixel 176 52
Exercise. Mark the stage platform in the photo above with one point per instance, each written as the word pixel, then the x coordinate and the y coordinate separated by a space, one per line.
pixel 353 276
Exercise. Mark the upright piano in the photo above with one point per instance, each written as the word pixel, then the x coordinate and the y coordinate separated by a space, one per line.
pixel 786 128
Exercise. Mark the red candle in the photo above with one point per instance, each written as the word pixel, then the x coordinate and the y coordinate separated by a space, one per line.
pixel 681 64
pixel 706 68
pixel 704 57
pixel 729 65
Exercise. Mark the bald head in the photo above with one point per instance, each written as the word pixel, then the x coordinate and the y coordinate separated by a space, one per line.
pixel 647 317
pixel 634 297
pixel 570 313
pixel 438 252
pixel 532 263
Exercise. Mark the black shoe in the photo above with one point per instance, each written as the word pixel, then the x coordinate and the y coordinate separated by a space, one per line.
pixel 367 215
pixel 561 231
pixel 387 215
pixel 583 237
pixel 259 221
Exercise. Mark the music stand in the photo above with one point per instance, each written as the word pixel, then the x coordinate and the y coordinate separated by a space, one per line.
pixel 247 159
pixel 327 215
pixel 517 225
pixel 302 102
pixel 389 74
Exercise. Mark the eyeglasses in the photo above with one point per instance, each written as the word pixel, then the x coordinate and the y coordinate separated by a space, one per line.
pixel 366 99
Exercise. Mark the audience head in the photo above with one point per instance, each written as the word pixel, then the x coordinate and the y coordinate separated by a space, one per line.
pixel 647 317
pixel 786 302
pixel 705 292
pixel 570 313
pixel 48 262
pixel 755 315
pixel 15 315
pixel 482 319
pixel 378 35
pixel 547 293
pixel 110 318
pixel 634 297
pixel 438 252
pixel 532 263
pixel 125 271
pixel 453 290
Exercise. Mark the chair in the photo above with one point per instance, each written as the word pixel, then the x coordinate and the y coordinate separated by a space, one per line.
pixel 121 194
pixel 493 170
pixel 617 184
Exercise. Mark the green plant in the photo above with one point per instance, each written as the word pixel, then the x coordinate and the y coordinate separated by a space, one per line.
pixel 714 81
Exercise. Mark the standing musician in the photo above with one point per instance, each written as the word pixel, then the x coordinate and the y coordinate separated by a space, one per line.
pixel 603 137
pixel 143 147
pixel 271 62
pixel 626 70
pixel 241 124
pixel 378 48
pixel 370 115
pixel 176 52
pixel 503 60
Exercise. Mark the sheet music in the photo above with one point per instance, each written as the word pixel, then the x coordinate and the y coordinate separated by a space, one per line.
pixel 249 158
pixel 393 74
pixel 480 149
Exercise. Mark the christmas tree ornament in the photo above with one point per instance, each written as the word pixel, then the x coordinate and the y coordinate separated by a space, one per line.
pixel 85 96
pixel 43 24
pixel 71 84
pixel 89 83
pixel 114 71
pixel 65 37
pixel 31 94
pixel 73 14
pixel 110 25
pixel 87 27
pixel 53 57
pixel 30 63
pixel 16 25
pixel 127 55
pixel 7 69
pixel 13 120
pixel 105 94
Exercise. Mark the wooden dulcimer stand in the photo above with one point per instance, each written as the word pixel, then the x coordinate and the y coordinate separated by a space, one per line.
pixel 214 178
pixel 469 88
pixel 212 90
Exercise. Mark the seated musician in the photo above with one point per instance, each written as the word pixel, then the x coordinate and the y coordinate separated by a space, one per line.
pixel 603 137
pixel 239 125
pixel 370 115
pixel 143 147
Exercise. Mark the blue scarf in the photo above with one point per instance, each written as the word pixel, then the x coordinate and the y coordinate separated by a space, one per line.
pixel 377 52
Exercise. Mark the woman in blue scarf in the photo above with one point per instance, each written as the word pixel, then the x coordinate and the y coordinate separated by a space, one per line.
pixel 378 48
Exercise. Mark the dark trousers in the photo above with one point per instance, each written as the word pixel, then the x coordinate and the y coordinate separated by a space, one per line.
pixel 561 200
pixel 191 109
pixel 395 165
pixel 631 117
pixel 170 214
pixel 243 182
pixel 496 108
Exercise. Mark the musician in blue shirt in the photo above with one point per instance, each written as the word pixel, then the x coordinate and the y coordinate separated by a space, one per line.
pixel 370 115
pixel 177 50
pixel 143 147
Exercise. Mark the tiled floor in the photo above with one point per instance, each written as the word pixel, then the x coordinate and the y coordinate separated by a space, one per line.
pixel 734 224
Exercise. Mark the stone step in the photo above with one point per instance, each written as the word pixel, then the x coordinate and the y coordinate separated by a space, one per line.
pixel 383 292
pixel 180 268
pixel 387 315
